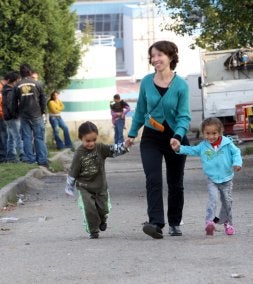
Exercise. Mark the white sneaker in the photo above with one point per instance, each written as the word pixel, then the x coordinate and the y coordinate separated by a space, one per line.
pixel 69 191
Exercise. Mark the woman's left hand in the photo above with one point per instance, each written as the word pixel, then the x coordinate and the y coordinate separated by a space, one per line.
pixel 175 144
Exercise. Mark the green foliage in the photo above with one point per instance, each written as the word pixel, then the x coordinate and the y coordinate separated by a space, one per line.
pixel 217 24
pixel 11 171
pixel 41 33
pixel 248 149
pixel 56 166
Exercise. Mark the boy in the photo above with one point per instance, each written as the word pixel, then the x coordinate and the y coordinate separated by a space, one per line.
pixel 87 172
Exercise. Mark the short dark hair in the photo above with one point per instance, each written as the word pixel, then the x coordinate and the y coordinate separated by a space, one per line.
pixel 86 128
pixel 116 97
pixel 212 121
pixel 25 70
pixel 167 47
pixel 12 77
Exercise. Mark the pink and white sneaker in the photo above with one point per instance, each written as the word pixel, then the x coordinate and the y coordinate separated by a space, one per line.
pixel 229 229
pixel 210 228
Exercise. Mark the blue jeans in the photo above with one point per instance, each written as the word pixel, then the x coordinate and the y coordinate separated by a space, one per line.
pixel 56 123
pixel 118 131
pixel 225 190
pixel 33 134
pixel 14 143
pixel 3 140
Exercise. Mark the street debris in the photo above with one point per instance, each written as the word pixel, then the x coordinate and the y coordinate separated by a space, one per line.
pixel 236 275
pixel 42 219
pixel 20 199
pixel 9 219
pixel 5 229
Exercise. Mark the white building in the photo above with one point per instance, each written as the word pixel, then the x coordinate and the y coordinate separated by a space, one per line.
pixel 134 26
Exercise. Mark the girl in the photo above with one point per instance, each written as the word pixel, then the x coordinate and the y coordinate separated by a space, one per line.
pixel 220 158
pixel 87 172
pixel 55 106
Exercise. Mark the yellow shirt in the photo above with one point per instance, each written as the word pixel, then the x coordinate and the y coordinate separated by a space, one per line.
pixel 55 107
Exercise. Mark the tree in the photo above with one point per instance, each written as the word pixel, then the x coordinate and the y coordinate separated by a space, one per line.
pixel 41 33
pixel 217 24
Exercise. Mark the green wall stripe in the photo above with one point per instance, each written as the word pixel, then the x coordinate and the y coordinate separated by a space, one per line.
pixel 92 83
pixel 86 106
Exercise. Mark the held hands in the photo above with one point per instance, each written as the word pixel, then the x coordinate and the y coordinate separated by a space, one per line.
pixel 175 144
pixel 237 168
pixel 129 142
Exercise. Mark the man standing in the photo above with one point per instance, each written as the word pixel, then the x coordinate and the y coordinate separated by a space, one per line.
pixel 3 131
pixel 29 103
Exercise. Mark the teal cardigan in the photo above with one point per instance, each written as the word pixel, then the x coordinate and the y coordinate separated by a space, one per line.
pixel 173 106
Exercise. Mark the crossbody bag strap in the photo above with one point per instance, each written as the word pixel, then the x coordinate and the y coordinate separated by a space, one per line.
pixel 149 113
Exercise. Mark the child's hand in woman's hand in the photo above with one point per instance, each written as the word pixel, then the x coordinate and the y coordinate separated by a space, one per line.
pixel 129 142
pixel 237 168
pixel 175 144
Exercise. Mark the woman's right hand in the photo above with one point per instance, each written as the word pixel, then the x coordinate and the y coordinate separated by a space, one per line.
pixel 129 142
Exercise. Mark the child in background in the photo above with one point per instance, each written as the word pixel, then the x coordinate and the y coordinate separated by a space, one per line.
pixel 220 158
pixel 87 172
pixel 119 109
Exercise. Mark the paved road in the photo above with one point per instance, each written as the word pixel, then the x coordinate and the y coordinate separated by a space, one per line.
pixel 47 243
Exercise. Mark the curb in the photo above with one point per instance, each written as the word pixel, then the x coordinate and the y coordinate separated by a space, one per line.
pixel 19 185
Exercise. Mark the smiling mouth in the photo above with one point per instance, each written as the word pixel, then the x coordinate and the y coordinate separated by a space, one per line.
pixel 157 64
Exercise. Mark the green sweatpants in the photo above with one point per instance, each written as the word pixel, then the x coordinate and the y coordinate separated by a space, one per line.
pixel 95 208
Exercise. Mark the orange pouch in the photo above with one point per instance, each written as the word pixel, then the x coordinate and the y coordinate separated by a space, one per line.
pixel 157 125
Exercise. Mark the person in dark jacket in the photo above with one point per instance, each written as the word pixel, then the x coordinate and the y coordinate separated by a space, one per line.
pixel 29 103
pixel 3 131
pixel 15 146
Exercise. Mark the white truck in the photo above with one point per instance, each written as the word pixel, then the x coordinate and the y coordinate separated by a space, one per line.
pixel 226 80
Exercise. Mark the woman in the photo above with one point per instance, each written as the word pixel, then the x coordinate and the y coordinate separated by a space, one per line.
pixel 163 109
pixel 55 106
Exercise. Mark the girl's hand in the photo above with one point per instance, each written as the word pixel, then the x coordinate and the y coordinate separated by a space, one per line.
pixel 237 168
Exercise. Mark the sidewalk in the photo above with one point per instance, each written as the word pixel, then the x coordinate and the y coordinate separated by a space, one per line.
pixel 47 243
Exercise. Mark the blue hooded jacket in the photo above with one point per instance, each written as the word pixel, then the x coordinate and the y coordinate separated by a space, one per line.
pixel 217 164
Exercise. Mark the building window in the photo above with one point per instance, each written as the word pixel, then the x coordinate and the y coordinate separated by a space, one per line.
pixel 103 24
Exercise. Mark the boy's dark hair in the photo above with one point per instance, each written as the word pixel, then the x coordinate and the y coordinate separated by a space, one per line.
pixel 25 70
pixel 12 77
pixel 86 128
pixel 212 121
pixel 167 47
pixel 116 97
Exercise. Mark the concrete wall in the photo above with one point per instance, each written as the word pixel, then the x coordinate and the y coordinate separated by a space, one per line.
pixel 142 27
pixel 90 91
pixel 106 130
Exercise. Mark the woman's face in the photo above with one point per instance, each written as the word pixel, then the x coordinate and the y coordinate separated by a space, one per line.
pixel 159 59
pixel 55 96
